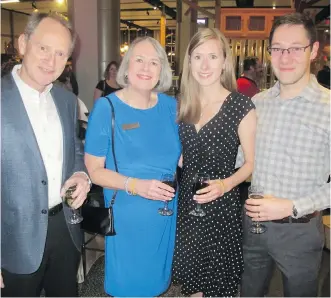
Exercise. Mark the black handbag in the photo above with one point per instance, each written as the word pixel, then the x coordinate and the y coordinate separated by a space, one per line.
pixel 97 218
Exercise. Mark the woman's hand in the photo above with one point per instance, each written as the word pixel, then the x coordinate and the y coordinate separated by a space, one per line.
pixel 213 191
pixel 154 190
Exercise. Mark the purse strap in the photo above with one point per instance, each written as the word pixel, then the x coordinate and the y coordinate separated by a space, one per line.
pixel 113 144
pixel 104 87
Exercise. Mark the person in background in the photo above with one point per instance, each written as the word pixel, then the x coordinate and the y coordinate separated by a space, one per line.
pixel 7 65
pixel 139 257
pixel 323 76
pixel 213 120
pixel 68 78
pixel 41 157
pixel 109 84
pixel 292 165
pixel 247 83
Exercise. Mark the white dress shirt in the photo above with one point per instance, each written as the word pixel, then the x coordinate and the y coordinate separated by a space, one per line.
pixel 47 128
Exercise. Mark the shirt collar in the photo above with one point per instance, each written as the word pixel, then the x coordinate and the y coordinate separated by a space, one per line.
pixel 25 87
pixel 310 92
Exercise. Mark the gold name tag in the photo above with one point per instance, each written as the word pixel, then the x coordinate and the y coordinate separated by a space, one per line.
pixel 130 126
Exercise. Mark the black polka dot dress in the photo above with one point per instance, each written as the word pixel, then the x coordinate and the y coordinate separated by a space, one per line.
pixel 208 254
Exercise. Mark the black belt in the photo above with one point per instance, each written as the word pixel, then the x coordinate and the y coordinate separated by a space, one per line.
pixel 55 210
pixel 303 219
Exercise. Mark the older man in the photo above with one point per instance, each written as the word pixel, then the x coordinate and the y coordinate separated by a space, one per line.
pixel 40 158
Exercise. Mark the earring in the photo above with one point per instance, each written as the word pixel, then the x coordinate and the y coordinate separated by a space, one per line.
pixel 126 78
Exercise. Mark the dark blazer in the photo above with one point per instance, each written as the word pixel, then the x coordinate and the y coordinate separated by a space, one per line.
pixel 24 185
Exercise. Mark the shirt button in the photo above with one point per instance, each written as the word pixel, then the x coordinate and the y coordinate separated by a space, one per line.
pixel 44 211
pixel 44 182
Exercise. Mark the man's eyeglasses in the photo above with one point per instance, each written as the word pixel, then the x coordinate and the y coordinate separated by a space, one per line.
pixel 293 51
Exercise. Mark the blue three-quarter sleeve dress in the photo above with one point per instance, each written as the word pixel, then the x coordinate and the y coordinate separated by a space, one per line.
pixel 138 259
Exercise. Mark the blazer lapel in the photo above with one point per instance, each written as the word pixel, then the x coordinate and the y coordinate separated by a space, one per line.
pixel 62 109
pixel 22 122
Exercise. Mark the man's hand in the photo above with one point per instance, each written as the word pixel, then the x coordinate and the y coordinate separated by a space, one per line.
pixel 268 208
pixel 2 285
pixel 82 188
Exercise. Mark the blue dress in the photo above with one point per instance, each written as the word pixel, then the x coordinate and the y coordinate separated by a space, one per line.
pixel 138 259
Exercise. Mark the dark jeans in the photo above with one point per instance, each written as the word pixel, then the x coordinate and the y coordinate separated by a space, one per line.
pixel 57 272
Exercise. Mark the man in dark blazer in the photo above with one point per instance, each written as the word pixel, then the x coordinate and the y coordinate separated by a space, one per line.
pixel 41 157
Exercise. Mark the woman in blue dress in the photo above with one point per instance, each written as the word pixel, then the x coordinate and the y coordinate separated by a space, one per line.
pixel 138 259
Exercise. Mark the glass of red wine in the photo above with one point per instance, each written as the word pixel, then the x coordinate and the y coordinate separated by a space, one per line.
pixel 169 179
pixel 200 181
pixel 256 192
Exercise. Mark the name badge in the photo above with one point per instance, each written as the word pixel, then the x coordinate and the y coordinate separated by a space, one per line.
pixel 130 126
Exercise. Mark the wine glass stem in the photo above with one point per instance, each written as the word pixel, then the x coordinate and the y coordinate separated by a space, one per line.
pixel 165 205
pixel 198 207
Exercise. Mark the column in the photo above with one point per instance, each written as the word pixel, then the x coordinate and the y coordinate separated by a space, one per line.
pixel 186 28
pixel 108 32
pixel 163 30
pixel 83 14
pixel 97 24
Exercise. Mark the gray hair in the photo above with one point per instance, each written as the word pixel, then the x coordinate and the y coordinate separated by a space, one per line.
pixel 165 79
pixel 35 19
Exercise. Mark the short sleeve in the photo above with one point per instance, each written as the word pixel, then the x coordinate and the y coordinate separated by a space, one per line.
pixel 98 135
pixel 100 85
pixel 243 105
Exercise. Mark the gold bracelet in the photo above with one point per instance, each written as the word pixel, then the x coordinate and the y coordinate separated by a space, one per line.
pixel 221 183
pixel 132 188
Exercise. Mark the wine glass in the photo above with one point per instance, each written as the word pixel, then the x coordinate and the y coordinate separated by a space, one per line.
pixel 256 192
pixel 169 179
pixel 67 200
pixel 200 181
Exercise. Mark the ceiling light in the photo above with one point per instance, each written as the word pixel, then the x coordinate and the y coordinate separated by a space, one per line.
pixel 60 1
pixel 9 1
pixel 155 7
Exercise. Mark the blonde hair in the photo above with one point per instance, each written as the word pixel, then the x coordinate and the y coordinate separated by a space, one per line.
pixel 189 103
pixel 165 79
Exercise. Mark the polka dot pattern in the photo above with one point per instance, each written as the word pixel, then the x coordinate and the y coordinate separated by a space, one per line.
pixel 208 254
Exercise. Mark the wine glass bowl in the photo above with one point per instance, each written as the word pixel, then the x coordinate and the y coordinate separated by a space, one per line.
pixel 256 192
pixel 67 200
pixel 169 179
pixel 200 181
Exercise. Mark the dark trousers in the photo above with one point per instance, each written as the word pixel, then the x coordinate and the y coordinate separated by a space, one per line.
pixel 57 272
pixel 296 249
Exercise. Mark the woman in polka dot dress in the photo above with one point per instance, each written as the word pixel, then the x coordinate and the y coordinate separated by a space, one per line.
pixel 213 120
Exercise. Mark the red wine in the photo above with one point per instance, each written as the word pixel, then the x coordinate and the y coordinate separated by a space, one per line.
pixel 173 184
pixel 200 185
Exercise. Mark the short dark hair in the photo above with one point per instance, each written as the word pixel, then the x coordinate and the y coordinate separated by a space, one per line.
pixel 250 61
pixel 295 19
pixel 106 73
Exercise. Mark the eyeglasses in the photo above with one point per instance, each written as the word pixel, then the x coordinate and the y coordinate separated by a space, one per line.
pixel 293 51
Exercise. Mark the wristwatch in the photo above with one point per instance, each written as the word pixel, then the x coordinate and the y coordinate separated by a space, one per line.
pixel 294 211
